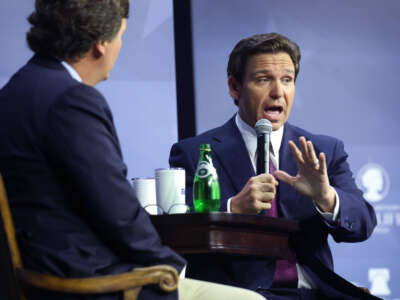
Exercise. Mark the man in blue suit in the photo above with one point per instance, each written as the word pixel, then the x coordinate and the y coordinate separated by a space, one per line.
pixel 74 211
pixel 312 182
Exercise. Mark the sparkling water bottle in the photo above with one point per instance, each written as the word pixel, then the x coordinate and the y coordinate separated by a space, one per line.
pixel 206 192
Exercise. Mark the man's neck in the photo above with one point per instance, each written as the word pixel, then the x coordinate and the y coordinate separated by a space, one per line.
pixel 86 68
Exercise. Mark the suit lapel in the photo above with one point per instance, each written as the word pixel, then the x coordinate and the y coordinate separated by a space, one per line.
pixel 230 150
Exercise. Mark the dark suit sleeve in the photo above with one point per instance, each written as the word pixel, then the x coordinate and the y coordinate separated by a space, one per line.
pixel 181 158
pixel 356 219
pixel 82 145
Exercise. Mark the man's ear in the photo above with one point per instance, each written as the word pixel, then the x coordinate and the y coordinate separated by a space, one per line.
pixel 99 49
pixel 234 87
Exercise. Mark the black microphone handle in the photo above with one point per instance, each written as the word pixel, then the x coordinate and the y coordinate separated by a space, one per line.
pixel 261 154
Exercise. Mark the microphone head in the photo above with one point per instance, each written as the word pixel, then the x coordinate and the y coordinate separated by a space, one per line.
pixel 263 126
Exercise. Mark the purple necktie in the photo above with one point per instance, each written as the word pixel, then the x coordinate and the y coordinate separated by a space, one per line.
pixel 285 270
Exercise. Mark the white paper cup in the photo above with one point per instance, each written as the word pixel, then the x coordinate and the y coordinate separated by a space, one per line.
pixel 145 191
pixel 178 209
pixel 170 188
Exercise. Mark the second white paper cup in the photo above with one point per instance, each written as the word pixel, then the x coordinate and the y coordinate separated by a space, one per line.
pixel 145 191
pixel 170 187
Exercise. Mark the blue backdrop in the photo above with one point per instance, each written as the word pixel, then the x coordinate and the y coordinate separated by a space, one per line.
pixel 348 87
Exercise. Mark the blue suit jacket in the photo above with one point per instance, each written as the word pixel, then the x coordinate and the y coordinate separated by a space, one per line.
pixel 74 211
pixel 230 157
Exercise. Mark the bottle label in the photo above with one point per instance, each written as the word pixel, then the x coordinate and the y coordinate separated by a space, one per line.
pixel 204 169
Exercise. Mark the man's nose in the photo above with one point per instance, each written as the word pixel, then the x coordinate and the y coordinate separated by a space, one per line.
pixel 276 90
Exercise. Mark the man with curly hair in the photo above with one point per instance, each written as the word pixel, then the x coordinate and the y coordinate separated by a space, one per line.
pixel 74 211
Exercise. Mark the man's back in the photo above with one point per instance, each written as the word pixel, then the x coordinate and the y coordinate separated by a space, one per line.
pixel 74 211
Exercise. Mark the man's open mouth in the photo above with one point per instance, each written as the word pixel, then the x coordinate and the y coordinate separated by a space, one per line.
pixel 274 109
pixel 273 113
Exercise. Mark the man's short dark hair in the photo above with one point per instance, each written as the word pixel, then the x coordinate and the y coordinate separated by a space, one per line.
pixel 257 44
pixel 67 29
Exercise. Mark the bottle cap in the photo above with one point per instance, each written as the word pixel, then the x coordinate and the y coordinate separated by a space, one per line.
pixel 205 147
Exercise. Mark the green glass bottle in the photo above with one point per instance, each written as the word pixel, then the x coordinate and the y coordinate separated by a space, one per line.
pixel 206 192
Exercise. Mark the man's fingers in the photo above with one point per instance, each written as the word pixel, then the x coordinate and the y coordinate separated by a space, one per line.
pixel 264 198
pixel 313 160
pixel 263 206
pixel 322 161
pixel 309 156
pixel 267 187
pixel 304 148
pixel 298 157
pixel 262 191
pixel 285 177
pixel 265 178
pixel 266 205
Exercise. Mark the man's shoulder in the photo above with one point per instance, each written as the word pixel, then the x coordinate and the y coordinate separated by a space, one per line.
pixel 42 77
pixel 209 136
pixel 57 84
pixel 48 87
pixel 185 153
pixel 314 137
pixel 330 145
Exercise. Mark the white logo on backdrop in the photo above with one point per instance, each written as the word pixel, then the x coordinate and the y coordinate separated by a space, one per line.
pixel 373 180
pixel 379 278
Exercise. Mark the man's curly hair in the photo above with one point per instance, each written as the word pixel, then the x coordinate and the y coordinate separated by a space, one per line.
pixel 67 29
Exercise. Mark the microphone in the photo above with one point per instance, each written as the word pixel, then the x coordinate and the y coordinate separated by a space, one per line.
pixel 263 129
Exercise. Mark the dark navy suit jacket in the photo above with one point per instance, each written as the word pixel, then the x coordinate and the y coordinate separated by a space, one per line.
pixel 74 211
pixel 356 219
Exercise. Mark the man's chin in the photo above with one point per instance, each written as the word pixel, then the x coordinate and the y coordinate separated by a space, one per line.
pixel 277 125
pixel 106 77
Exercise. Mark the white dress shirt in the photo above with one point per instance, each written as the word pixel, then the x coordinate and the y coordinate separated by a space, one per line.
pixel 74 74
pixel 250 139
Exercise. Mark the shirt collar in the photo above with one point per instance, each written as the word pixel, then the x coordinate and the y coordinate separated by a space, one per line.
pixel 250 137
pixel 71 71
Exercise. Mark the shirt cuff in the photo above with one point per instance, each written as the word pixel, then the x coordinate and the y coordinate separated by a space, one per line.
pixel 331 216
pixel 228 205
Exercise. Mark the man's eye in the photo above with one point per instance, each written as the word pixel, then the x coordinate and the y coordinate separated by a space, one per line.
pixel 287 79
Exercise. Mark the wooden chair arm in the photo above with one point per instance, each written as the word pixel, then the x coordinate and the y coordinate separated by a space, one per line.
pixel 166 277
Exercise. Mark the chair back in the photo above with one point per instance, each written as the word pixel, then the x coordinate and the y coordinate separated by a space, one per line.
pixel 13 277
pixel 10 258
